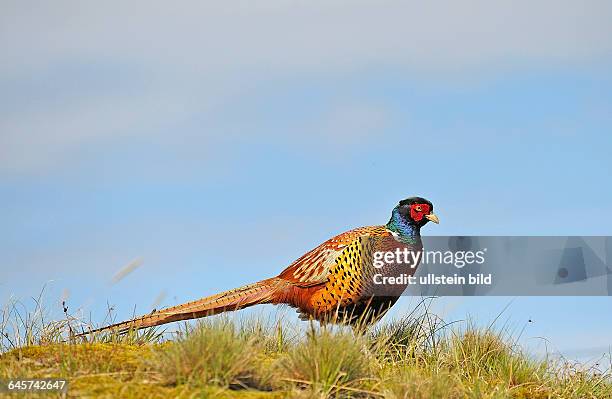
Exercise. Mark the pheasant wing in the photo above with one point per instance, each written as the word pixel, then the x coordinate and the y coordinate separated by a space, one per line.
pixel 313 268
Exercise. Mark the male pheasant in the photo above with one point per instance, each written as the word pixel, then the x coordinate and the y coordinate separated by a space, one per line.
pixel 334 282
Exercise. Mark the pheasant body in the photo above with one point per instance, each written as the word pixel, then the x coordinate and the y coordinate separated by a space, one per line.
pixel 333 282
pixel 341 283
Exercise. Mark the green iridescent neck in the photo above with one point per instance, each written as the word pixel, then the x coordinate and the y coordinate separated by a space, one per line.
pixel 407 232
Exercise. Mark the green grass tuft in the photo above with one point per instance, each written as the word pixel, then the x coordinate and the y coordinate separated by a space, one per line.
pixel 212 353
pixel 328 363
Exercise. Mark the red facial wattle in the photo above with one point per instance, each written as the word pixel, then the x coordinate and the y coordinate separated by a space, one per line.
pixel 418 211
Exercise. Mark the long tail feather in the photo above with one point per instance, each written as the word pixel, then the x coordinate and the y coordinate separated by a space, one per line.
pixel 239 298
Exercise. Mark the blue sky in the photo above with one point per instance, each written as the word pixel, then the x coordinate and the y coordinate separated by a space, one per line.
pixel 217 143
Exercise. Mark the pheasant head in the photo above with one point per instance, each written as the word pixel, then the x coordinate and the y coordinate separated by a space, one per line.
pixel 410 215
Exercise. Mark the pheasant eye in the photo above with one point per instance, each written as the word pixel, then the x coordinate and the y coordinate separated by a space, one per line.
pixel 418 208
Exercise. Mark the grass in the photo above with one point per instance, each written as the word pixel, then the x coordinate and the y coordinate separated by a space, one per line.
pixel 328 363
pixel 215 353
pixel 418 356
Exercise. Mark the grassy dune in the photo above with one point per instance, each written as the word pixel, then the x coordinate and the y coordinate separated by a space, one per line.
pixel 416 357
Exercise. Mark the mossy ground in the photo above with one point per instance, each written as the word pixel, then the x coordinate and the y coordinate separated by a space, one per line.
pixel 109 370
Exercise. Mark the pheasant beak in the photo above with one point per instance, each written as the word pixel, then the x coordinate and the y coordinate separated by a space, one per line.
pixel 432 218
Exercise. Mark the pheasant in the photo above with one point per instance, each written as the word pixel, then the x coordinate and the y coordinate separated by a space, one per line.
pixel 334 282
